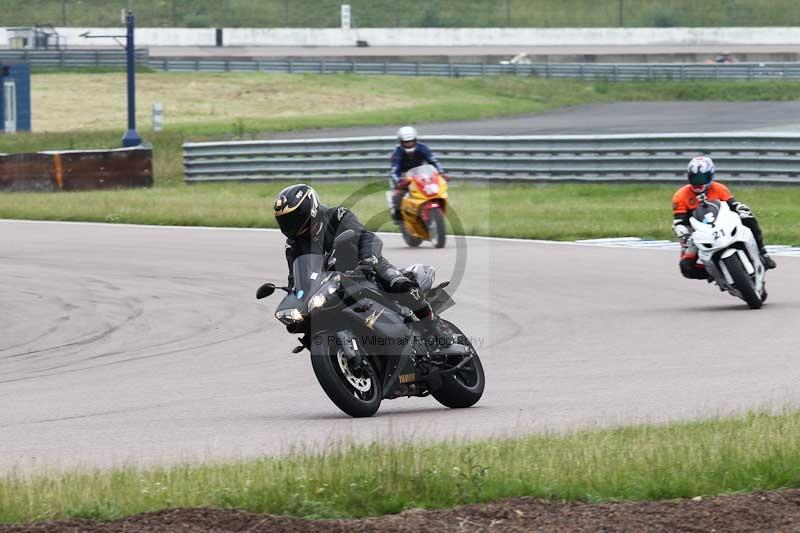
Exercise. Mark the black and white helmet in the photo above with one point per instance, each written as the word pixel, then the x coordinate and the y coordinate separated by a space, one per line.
pixel 700 173
pixel 407 136
pixel 298 211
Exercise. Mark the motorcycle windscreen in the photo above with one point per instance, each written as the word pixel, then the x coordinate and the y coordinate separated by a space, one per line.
pixel 422 171
pixel 707 213
pixel 309 273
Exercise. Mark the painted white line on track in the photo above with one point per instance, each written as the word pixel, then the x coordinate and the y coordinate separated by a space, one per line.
pixel 606 242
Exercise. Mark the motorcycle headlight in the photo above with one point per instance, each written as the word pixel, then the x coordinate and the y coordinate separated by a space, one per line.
pixel 318 300
pixel 289 316
pixel 328 288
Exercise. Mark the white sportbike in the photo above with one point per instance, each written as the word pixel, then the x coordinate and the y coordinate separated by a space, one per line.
pixel 729 252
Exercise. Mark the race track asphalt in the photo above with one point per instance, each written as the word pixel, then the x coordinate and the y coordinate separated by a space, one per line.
pixel 596 119
pixel 146 345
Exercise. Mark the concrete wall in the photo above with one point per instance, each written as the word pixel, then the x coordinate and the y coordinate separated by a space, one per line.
pixel 439 36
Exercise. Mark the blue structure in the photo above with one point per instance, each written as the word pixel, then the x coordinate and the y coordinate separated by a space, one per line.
pixel 15 97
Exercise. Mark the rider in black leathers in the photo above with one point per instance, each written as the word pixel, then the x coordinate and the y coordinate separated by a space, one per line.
pixel 311 227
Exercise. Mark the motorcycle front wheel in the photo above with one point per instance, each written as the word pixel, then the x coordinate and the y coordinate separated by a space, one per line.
pixel 436 228
pixel 410 240
pixel 463 387
pixel 356 392
pixel 742 282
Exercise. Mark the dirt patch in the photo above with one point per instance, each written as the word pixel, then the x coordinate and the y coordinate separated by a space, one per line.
pixel 759 511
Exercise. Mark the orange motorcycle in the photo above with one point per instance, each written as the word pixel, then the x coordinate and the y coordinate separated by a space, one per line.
pixel 423 207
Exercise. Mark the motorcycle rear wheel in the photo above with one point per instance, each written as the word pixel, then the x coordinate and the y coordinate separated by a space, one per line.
pixel 742 282
pixel 356 392
pixel 464 387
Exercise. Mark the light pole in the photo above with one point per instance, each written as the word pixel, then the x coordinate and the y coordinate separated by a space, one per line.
pixel 131 136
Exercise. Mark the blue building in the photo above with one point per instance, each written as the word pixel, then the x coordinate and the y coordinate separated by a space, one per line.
pixel 15 97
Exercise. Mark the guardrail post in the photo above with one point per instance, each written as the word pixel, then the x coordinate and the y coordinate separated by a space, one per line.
pixel 385 67
pixel 291 66
pixel 580 70
pixel 97 58
pixel 322 66
pixel 352 66
pixel 227 65
pixel 417 71
pixel 259 65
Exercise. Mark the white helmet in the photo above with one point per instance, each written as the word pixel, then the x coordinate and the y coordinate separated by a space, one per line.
pixel 407 134
pixel 700 173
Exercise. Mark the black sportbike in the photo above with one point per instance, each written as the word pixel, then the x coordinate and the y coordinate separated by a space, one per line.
pixel 365 343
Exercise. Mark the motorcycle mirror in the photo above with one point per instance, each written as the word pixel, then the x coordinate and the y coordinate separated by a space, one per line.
pixel 265 290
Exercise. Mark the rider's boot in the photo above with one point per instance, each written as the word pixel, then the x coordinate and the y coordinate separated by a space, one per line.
pixel 769 263
pixel 430 330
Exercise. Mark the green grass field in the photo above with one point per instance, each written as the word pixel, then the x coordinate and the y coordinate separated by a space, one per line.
pixel 684 460
pixel 559 212
pixel 409 13
pixel 215 106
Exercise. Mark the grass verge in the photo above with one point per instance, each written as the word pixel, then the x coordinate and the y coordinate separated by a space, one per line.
pixel 245 105
pixel 753 452
pixel 416 13
pixel 555 212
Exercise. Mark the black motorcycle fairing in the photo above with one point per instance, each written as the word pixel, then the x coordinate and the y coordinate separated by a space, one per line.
pixel 309 274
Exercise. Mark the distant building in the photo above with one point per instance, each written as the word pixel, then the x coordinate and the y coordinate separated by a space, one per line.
pixel 39 37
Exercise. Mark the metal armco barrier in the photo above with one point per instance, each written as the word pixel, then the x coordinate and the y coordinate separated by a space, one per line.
pixel 588 71
pixel 57 59
pixel 743 157
pixel 113 58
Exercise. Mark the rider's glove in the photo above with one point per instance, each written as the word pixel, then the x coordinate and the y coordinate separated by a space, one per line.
pixel 743 210
pixel 680 229
pixel 366 266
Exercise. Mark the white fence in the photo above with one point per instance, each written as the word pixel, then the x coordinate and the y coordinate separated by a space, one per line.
pixel 526 37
